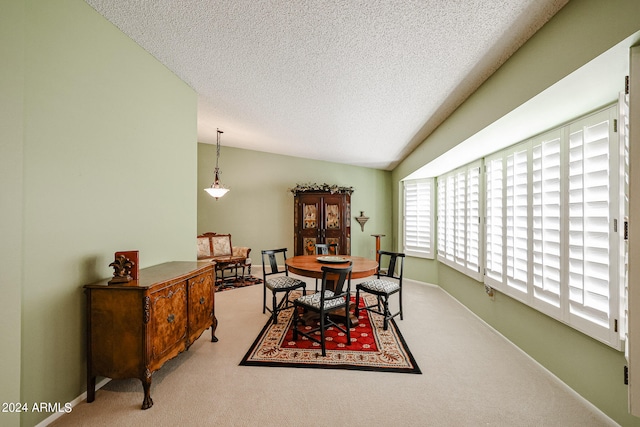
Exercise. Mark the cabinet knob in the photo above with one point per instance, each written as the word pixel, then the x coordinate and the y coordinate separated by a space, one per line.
pixel 171 318
pixel 201 300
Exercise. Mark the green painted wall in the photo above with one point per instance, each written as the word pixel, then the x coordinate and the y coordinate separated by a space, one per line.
pixel 98 143
pixel 581 31
pixel 258 211
pixel 11 200
pixel 104 153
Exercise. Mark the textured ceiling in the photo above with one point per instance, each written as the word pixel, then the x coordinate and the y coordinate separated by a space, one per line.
pixel 357 82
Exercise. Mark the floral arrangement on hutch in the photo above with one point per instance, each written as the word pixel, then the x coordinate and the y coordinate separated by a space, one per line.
pixel 332 189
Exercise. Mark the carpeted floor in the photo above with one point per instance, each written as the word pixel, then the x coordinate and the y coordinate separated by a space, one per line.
pixel 471 376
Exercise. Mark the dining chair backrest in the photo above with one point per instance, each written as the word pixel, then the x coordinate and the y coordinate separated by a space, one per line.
pixel 339 276
pixel 270 259
pixel 326 248
pixel 391 264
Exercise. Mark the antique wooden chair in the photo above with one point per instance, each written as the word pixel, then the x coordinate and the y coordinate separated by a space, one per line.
pixel 277 284
pixel 217 247
pixel 324 302
pixel 386 283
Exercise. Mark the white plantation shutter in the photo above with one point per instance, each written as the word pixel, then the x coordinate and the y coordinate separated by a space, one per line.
pixel 589 225
pixel 517 220
pixel 473 219
pixel 459 234
pixel 494 177
pixel 554 209
pixel 460 207
pixel 450 217
pixel 546 223
pixel 418 217
pixel 623 264
pixel 442 218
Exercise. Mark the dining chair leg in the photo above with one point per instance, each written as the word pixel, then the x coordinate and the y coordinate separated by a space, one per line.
pixel 274 313
pixel 296 319
pixel 264 299
pixel 348 324
pixel 386 312
pixel 356 311
pixel 322 342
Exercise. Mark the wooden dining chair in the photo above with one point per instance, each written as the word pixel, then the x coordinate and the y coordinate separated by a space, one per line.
pixel 277 280
pixel 324 302
pixel 386 283
pixel 325 249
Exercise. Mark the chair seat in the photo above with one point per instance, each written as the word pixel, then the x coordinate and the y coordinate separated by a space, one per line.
pixel 380 286
pixel 313 300
pixel 283 283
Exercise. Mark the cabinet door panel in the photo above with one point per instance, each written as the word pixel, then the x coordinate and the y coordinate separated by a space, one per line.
pixel 168 321
pixel 310 215
pixel 334 216
pixel 200 304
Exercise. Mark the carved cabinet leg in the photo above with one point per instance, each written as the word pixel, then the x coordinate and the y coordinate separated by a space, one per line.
pixel 214 326
pixel 146 385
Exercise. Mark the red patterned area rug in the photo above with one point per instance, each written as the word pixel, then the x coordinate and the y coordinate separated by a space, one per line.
pixel 371 349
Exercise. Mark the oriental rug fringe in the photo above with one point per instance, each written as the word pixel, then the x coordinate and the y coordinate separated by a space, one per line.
pixel 371 349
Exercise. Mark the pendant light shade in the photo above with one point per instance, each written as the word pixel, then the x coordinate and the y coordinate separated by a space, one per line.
pixel 217 190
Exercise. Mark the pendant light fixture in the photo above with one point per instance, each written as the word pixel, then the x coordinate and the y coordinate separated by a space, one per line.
pixel 217 190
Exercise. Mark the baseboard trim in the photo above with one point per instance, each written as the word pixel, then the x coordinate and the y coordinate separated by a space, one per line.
pixel 51 418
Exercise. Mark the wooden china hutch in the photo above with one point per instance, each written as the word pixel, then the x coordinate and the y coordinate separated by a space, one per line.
pixel 322 214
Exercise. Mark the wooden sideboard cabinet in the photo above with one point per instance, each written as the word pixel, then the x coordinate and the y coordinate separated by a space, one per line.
pixel 134 328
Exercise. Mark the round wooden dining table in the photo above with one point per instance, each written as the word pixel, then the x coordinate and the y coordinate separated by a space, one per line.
pixel 309 266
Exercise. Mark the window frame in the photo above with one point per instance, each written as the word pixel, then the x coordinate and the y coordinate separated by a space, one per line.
pixel 427 223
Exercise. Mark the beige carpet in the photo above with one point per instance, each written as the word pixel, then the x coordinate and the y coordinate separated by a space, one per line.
pixel 470 377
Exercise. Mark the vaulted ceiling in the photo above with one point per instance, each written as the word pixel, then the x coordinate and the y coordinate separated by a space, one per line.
pixel 355 82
